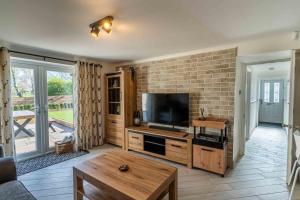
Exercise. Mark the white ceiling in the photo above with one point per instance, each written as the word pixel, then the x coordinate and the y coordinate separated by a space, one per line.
pixel 272 70
pixel 265 57
pixel 143 28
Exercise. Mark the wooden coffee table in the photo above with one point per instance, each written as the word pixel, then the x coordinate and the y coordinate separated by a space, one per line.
pixel 145 179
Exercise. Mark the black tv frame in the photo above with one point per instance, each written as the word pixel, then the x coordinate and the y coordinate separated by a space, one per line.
pixel 165 126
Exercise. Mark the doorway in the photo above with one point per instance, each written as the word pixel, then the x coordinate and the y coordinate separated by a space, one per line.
pixel 42 96
pixel 271 102
pixel 267 109
pixel 267 99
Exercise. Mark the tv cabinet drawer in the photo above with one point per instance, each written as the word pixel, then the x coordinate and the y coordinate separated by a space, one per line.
pixel 135 141
pixel 176 146
pixel 176 150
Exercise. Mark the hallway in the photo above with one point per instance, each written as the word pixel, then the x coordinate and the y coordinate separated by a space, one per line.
pixel 268 144
pixel 266 156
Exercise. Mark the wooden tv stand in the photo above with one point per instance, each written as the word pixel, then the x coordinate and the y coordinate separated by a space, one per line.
pixel 169 145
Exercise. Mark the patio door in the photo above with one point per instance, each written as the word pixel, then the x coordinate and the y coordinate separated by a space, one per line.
pixel 58 104
pixel 42 105
pixel 26 108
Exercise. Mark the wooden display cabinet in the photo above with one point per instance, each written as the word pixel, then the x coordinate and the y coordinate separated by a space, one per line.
pixel 120 104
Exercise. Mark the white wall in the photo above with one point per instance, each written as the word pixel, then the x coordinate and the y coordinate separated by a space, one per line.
pixel 239 114
pixel 254 103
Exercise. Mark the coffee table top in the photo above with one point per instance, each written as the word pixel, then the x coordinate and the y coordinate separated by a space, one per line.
pixel 145 179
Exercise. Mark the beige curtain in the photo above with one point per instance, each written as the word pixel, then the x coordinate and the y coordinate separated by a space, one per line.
pixel 88 105
pixel 6 118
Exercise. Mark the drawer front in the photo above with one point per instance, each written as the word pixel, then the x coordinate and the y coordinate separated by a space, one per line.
pixel 114 117
pixel 113 123
pixel 114 140
pixel 176 151
pixel 114 134
pixel 176 146
pixel 135 141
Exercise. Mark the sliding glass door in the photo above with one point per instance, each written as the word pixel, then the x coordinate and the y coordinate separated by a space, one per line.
pixel 42 105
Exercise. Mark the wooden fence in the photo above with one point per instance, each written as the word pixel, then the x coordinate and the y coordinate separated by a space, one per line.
pixel 51 100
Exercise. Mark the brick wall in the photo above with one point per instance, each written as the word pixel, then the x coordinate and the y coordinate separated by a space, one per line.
pixel 208 77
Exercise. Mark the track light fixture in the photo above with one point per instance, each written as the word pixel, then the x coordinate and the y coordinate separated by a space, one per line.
pixel 102 24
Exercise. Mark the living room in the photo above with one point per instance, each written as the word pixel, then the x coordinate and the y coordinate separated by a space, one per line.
pixel 147 100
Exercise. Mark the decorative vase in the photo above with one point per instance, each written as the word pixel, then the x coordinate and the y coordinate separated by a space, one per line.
pixel 137 118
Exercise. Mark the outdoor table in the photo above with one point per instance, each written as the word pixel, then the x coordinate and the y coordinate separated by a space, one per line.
pixel 26 115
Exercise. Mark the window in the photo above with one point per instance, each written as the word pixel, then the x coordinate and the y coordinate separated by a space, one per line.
pixel 267 92
pixel 276 92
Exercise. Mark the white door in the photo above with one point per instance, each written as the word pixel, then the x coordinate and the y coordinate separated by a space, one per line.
pixel 58 103
pixel 271 101
pixel 26 109
pixel 42 105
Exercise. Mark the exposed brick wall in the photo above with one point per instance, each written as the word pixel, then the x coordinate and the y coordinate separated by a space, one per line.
pixel 208 77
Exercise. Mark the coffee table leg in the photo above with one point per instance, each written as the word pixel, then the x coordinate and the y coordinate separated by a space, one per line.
pixel 78 186
pixel 173 193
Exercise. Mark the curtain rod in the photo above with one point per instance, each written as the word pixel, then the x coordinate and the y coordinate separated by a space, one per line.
pixel 44 57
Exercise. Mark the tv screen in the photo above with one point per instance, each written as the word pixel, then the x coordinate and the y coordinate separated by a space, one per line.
pixel 169 109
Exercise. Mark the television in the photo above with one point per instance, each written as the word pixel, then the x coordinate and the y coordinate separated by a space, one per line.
pixel 166 108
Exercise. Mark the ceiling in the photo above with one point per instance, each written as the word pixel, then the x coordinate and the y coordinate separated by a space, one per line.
pixel 142 28
pixel 265 57
pixel 272 70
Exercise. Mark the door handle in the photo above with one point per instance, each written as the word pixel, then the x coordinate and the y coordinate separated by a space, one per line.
pixel 209 150
pixel 36 109
pixel 46 109
pixel 175 145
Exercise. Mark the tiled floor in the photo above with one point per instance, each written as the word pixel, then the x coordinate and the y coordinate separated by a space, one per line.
pixel 260 174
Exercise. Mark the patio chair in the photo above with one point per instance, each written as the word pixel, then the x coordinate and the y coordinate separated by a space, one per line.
pixel 296 167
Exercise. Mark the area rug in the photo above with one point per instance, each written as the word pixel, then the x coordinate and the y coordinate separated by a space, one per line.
pixel 33 164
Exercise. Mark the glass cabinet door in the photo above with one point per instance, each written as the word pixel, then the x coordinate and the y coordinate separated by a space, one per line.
pixel 114 95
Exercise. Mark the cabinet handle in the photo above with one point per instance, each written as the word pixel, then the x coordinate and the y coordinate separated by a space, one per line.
pixel 113 122
pixel 207 150
pixel 174 145
pixel 135 137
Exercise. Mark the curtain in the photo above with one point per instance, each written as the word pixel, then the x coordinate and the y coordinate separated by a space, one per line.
pixel 6 118
pixel 88 105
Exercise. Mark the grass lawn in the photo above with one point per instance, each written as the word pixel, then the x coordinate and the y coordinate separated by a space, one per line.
pixel 65 115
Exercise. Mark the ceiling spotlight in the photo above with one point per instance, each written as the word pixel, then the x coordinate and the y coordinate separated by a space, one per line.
pixel 95 31
pixel 104 24
pixel 107 26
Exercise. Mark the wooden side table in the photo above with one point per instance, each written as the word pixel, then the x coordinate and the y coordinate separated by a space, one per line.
pixel 210 151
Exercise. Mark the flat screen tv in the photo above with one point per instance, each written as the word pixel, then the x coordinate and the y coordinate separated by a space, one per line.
pixel 166 108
